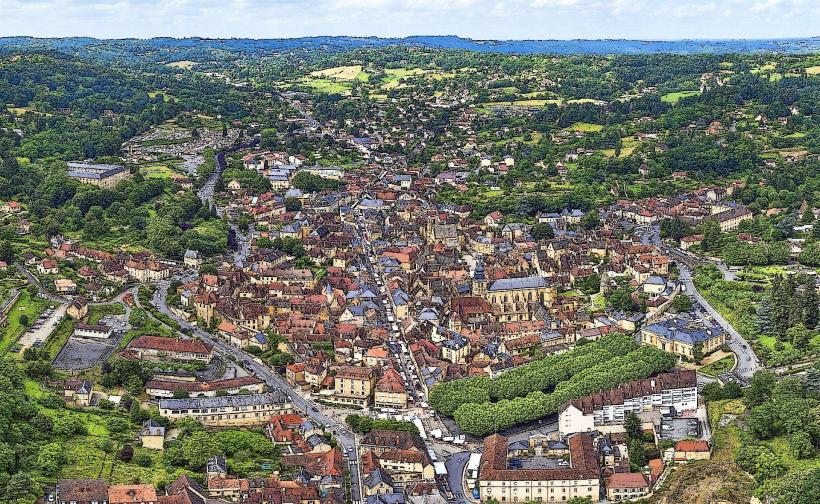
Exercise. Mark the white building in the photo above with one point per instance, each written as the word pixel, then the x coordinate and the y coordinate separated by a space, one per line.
pixel 606 410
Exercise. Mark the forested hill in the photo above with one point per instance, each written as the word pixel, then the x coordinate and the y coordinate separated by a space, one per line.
pixel 159 46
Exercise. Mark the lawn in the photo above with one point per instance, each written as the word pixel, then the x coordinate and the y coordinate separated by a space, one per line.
pixel 524 103
pixel 157 171
pixel 97 312
pixel 676 96
pixel 628 145
pixel 326 86
pixel 813 70
pixel 585 127
pixel 719 367
pixel 350 72
pixel 184 64
pixel 59 336
pixel 28 305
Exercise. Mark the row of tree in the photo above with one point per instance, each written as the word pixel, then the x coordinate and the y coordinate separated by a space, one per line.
pixel 541 375
pixel 483 418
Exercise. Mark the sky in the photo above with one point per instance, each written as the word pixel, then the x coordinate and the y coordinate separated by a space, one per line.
pixel 478 19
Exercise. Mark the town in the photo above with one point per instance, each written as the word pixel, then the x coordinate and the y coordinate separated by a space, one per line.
pixel 291 305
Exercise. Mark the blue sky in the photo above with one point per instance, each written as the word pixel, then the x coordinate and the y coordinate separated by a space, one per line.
pixel 483 19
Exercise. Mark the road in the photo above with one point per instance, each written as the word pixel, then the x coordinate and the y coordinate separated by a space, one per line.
pixel 455 476
pixel 43 291
pixel 747 362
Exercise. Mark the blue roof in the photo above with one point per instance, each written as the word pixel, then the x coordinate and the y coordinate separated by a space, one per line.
pixel 532 282
pixel 685 330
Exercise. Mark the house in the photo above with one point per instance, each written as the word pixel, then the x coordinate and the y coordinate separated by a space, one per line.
pixel 48 267
pixel 378 482
pixel 152 435
pixel 680 334
pixel 687 450
pixel 159 388
pixel 252 409
pixel 192 259
pixel 83 394
pixel 78 308
pixel 390 391
pixel 493 219
pixel 80 491
pixel 64 286
pixel 503 482
pixel 626 486
pixel 132 494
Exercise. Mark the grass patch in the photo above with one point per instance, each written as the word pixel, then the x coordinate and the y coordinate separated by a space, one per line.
pixel 585 127
pixel 157 171
pixel 325 86
pixel 349 72
pixel 719 366
pixel 676 96
pixel 97 312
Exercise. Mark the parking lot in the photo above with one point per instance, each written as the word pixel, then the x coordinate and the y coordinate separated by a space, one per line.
pixel 84 353
pixel 37 334
pixel 680 428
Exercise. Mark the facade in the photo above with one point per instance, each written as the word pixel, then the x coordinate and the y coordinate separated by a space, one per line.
pixel 100 175
pixel 680 334
pixel 160 389
pixel 254 409
pixel 513 296
pixel 96 331
pixel 173 348
pixel 608 408
pixel 152 435
pixel 354 385
pixel 626 486
pixel 500 482
pixel 390 391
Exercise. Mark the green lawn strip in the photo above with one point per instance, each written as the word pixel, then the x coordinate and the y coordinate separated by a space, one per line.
pixel 28 305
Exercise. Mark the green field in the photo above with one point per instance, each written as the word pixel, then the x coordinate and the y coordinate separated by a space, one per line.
pixel 676 96
pixel 585 127
pixel 157 170
pixel 28 305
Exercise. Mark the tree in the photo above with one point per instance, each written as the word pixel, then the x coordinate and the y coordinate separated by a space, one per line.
pixel 6 252
pixel 293 204
pixel 682 303
pixel 198 447
pixel 636 452
pixel 801 445
pixel 632 426
pixel 127 453
pixel 542 231
pixel 697 352
pixel 712 236
pixel 799 336
pixel 760 388
pixel 590 220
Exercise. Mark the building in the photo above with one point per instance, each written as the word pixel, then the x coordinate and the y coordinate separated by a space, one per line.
pixel 390 391
pixel 499 480
pixel 96 331
pixel 607 409
pixel 730 220
pixel 687 450
pixel 160 389
pixel 679 334
pixel 147 271
pixel 152 435
pixel 173 348
pixel 80 491
pixel 192 259
pixel 513 296
pixel 101 175
pixel 626 486
pixel 132 494
pixel 78 308
pixel 354 385
pixel 252 409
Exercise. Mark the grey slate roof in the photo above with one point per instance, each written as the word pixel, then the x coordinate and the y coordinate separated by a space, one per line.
pixel 275 397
